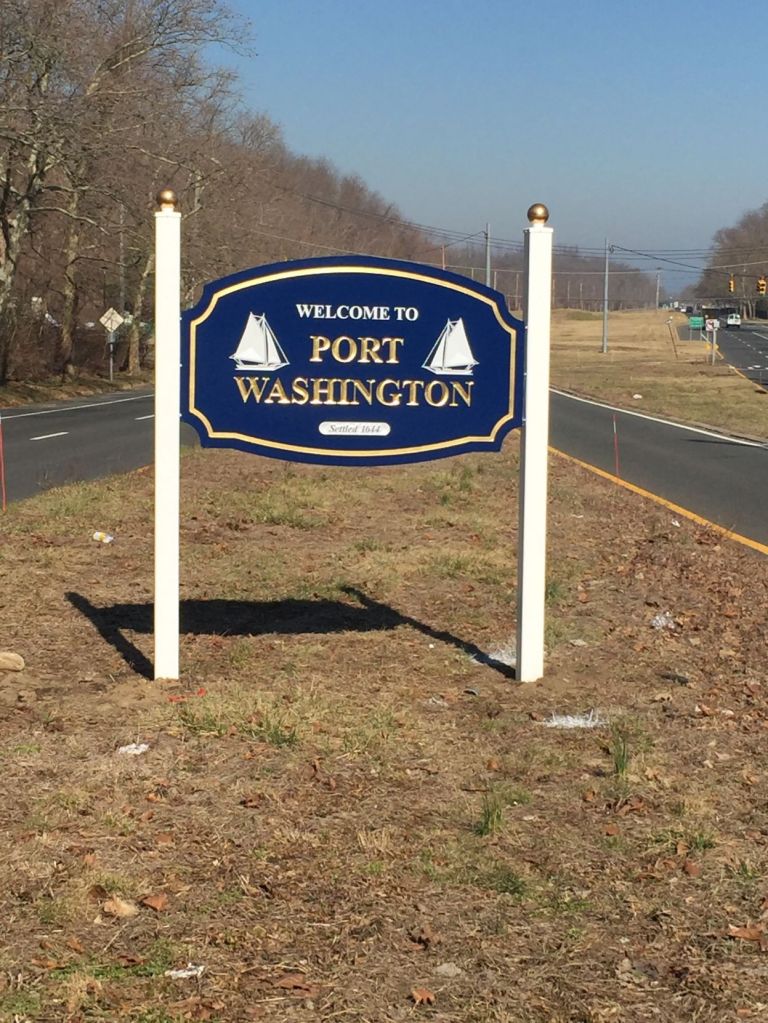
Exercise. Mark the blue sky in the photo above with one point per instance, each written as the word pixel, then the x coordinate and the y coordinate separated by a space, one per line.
pixel 639 121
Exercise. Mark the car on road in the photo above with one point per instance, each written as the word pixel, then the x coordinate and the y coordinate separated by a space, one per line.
pixel 733 320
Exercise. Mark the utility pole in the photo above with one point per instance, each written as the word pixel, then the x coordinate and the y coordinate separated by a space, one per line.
pixel 488 255
pixel 604 347
pixel 658 284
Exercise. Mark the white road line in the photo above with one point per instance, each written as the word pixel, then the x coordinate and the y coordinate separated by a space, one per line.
pixel 664 422
pixel 139 418
pixel 75 408
pixel 47 436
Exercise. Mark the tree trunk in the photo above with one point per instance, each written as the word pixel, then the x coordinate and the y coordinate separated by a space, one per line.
pixel 7 344
pixel 15 212
pixel 133 359
pixel 13 231
pixel 66 345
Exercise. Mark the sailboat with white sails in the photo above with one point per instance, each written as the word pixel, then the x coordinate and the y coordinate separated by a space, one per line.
pixel 451 354
pixel 258 347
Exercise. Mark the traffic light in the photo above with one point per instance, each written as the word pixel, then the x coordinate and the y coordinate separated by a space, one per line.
pixel 731 285
pixel 761 285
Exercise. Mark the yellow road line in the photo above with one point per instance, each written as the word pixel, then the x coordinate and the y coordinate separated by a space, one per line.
pixel 726 533
pixel 751 381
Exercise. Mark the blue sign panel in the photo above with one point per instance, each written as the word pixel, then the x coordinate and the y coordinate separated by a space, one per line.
pixel 351 361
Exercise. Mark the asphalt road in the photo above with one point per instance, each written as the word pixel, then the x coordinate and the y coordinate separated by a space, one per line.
pixel 720 478
pixel 746 349
pixel 63 442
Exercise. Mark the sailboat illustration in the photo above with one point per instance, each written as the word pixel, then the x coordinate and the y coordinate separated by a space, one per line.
pixel 451 354
pixel 258 347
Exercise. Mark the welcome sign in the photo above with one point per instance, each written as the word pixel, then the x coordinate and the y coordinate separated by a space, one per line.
pixel 351 361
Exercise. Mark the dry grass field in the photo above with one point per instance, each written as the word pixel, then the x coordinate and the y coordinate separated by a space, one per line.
pixel 347 809
pixel 674 378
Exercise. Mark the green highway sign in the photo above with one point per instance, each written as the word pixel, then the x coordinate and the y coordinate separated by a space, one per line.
pixel 696 322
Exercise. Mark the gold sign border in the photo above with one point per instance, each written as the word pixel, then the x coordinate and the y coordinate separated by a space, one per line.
pixel 313 271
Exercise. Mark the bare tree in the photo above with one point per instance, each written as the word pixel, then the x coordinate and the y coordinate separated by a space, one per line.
pixel 102 103
pixel 740 251
pixel 79 77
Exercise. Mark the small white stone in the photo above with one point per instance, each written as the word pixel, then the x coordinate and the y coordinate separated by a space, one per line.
pixel 449 970
pixel 10 661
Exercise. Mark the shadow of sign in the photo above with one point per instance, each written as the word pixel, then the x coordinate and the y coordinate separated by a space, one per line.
pixel 258 618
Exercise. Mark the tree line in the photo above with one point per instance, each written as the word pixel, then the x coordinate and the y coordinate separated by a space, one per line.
pixel 739 253
pixel 105 102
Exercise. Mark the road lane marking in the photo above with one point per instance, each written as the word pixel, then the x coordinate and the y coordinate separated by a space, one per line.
pixel 75 408
pixel 139 418
pixel 47 436
pixel 664 422
pixel 727 534
pixel 748 379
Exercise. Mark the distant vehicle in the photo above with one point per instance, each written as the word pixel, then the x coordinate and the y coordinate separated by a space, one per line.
pixel 733 320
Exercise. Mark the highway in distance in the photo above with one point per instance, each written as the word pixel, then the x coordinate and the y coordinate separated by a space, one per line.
pixel 720 478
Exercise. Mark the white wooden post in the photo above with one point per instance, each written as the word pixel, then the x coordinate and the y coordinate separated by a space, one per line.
pixel 534 442
pixel 167 412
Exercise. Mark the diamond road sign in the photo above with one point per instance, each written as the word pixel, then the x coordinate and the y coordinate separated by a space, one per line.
pixel 111 320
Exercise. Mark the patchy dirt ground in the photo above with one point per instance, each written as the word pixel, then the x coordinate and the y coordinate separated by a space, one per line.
pixel 348 810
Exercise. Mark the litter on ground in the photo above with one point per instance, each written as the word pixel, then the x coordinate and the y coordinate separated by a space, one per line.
pixel 134 749
pixel 185 972
pixel 504 656
pixel 663 620
pixel 591 720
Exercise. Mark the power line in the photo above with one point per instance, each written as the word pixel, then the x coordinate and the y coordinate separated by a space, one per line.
pixel 449 237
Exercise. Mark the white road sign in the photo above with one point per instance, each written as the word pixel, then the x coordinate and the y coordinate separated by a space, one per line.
pixel 111 320
pixel 712 325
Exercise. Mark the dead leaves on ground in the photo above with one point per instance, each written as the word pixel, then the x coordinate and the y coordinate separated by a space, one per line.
pixel 291 981
pixel 422 996
pixel 750 932
pixel 318 775
pixel 158 902
pixel 120 908
pixel 297 984
pixel 425 936
pixel 124 909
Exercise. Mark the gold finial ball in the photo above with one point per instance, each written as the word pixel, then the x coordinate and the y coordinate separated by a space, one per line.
pixel 538 213
pixel 166 199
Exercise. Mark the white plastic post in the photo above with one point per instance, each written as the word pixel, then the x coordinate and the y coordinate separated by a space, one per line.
pixel 534 442
pixel 167 410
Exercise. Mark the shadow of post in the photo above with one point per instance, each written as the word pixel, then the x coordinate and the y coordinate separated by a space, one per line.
pixel 257 618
